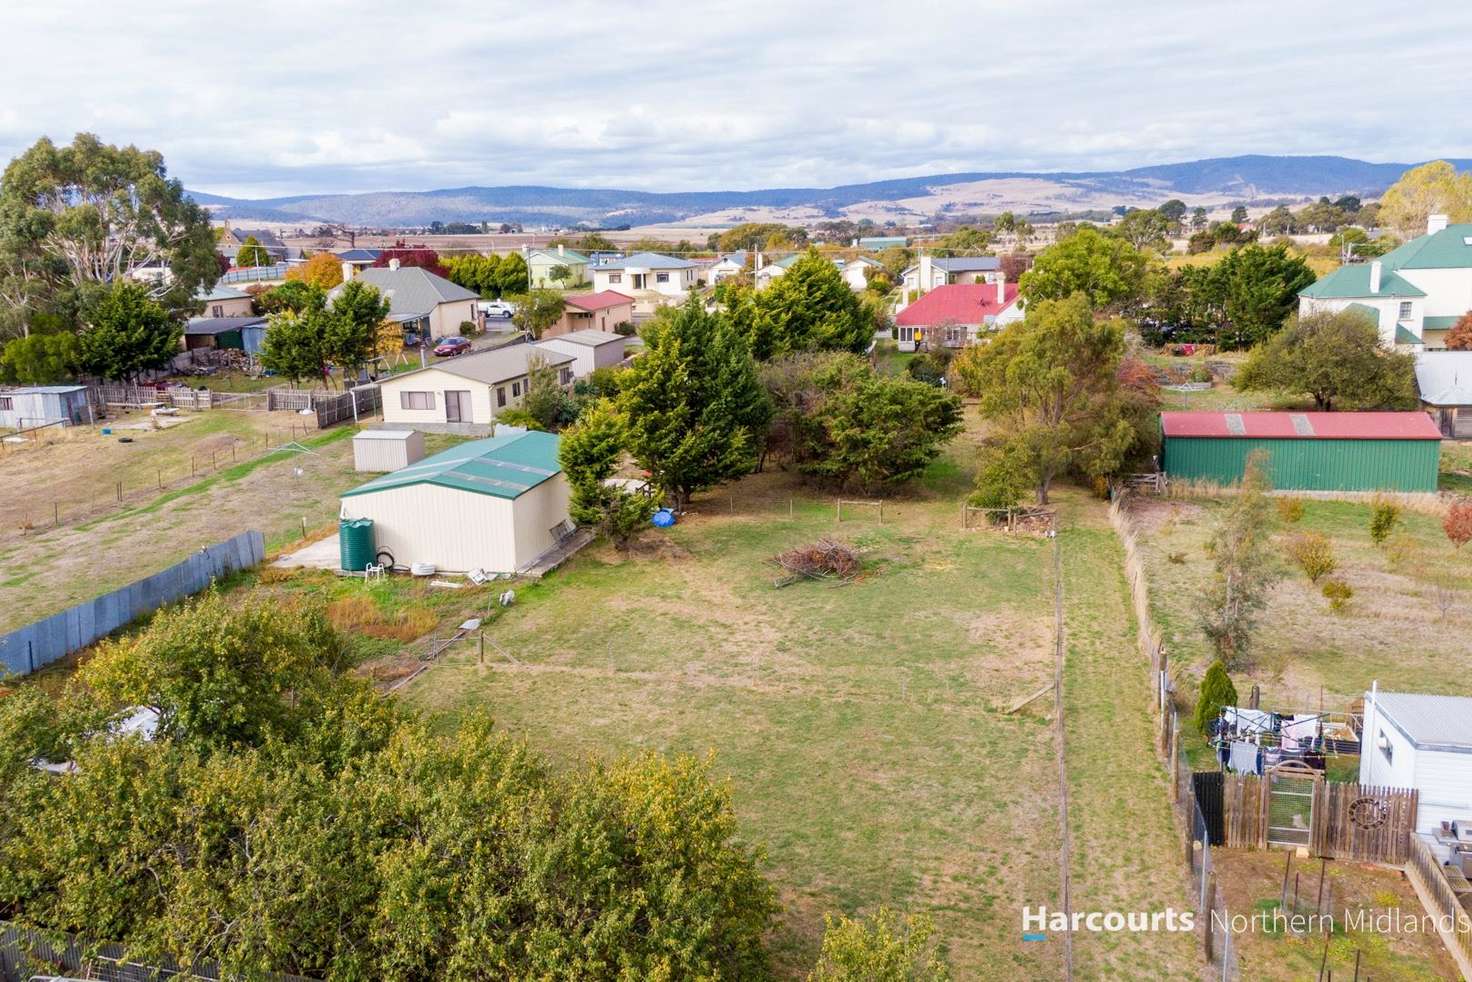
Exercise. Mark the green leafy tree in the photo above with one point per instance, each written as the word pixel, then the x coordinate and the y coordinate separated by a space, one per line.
pixel 759 235
pixel 546 402
pixel 40 359
pixel 1384 517
pixel 1239 215
pixel 691 421
pixel 1259 286
pixel 512 276
pixel 1337 359
pixel 1244 566
pixel 1174 211
pixel 352 332
pixel 1051 383
pixel 1105 268
pixel 251 253
pixel 560 274
pixel 1145 229
pixel 126 333
pixel 475 272
pixel 295 346
pixel 859 429
pixel 590 453
pixel 1198 219
pixel 1217 692
pixel 968 240
pixel 808 308
pixel 296 296
pixel 888 947
pixel 77 217
pixel 220 672
pixel 537 311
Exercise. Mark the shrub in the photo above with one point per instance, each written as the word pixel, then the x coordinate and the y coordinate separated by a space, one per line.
pixel 1003 478
pixel 1176 557
pixel 1314 554
pixel 1217 691
pixel 624 329
pixel 1201 374
pixel 1457 524
pixel 1338 593
pixel 1383 519
pixel 1290 509
pixel 1403 553
pixel 887 947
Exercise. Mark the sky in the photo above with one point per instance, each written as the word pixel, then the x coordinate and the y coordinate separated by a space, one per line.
pixel 255 98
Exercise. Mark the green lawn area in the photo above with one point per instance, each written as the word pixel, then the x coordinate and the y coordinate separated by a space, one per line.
pixel 1394 629
pixel 890 360
pixel 862 726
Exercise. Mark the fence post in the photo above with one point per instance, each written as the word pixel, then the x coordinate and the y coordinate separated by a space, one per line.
pixel 1207 938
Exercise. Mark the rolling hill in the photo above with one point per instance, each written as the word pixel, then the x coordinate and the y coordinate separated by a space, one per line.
pixel 1210 182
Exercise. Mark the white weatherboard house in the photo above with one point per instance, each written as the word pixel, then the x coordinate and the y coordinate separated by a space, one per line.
pixel 1411 740
pixel 1414 293
pixel 494 505
pixel 650 278
pixel 468 388
pixel 589 349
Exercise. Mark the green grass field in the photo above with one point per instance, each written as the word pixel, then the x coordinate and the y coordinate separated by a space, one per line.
pixel 863 726
pixel 1394 629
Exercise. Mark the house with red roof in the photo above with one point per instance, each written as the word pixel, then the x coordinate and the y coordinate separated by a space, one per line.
pixel 956 314
pixel 602 311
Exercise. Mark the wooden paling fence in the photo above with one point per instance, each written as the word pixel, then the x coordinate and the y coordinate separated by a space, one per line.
pixel 1425 874
pixel 1349 821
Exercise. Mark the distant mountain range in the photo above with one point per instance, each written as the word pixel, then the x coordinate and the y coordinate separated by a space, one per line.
pixel 1212 182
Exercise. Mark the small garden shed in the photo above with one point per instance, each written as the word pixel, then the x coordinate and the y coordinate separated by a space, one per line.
pixel 1306 451
pixel 387 450
pixel 495 505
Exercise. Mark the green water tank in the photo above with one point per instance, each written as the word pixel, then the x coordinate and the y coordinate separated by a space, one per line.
pixel 355 543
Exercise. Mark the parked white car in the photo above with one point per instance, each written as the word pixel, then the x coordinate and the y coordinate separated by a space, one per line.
pixel 497 309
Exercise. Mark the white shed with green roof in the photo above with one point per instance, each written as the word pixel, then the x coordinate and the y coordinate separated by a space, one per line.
pixel 495 505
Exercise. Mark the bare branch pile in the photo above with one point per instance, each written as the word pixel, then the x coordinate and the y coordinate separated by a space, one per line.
pixel 823 560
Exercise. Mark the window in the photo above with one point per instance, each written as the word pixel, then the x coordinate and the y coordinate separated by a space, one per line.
pixel 615 277
pixel 515 389
pixel 661 277
pixel 566 375
pixel 907 334
pixel 500 396
pixel 1405 310
pixel 416 400
pixel 217 311
pixel 1386 750
pixel 6 402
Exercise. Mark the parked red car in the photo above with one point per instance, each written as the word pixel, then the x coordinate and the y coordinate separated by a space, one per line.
pixel 451 346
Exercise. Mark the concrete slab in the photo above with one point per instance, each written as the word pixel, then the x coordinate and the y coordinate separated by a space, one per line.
pixel 323 554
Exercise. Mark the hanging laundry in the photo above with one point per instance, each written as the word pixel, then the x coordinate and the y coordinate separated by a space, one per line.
pixel 1244 759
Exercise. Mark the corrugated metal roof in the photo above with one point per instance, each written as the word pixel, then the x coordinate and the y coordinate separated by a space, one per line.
pixel 601 300
pixel 588 337
pixel 219 325
pixel 957 303
pixel 503 467
pixel 496 365
pixel 1445 377
pixel 1450 248
pixel 1353 281
pixel 412 291
pixel 1431 722
pixel 967 264
pixel 647 260
pixel 1300 426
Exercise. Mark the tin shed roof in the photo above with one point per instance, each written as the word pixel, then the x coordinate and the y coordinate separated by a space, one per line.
pixel 1430 722
pixel 503 467
pixel 1301 426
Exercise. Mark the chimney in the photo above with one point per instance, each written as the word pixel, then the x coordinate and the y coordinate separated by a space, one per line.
pixel 347 271
pixel 757 262
pixel 393 264
pixel 561 251
pixel 1435 223
pixel 1375 277
pixel 1001 290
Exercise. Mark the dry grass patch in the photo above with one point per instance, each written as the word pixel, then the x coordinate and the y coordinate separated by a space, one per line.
pixel 362 615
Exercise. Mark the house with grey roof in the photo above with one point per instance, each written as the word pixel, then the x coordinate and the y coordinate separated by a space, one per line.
pixel 233 238
pixel 1421 741
pixel 1414 293
pixel 224 301
pixel 1444 380
pixel 929 272
pixel 420 301
pixel 650 278
pixel 471 390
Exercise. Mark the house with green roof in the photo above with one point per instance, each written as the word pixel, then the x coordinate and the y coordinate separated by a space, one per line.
pixel 495 505
pixel 541 263
pixel 1415 293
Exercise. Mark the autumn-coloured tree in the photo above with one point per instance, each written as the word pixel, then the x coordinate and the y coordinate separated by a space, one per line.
pixel 322 270
pixel 1459 338
pixel 412 256
pixel 1457 523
